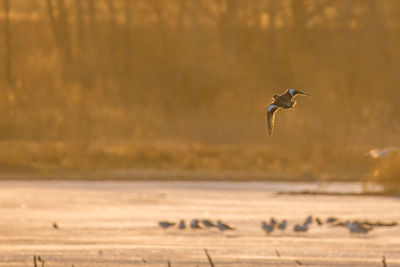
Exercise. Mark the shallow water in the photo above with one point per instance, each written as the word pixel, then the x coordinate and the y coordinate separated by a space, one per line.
pixel 115 224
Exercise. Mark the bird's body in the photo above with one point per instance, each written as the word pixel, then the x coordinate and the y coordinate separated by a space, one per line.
pixel 194 224
pixel 272 222
pixel 282 225
pixel 208 223
pixel 281 101
pixel 165 224
pixel 300 228
pixel 222 226
pixel 182 225
pixel 308 220
pixel 338 224
pixel 331 220
pixel 356 227
pixel 285 100
pixel 266 227
pixel 381 153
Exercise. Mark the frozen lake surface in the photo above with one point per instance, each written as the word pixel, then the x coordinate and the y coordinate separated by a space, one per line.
pixel 115 224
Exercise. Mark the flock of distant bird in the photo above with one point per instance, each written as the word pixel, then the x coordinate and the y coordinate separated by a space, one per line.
pixel 197 224
pixel 361 227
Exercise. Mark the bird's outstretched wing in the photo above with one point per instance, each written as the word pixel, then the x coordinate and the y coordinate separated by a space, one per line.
pixel 271 117
pixel 294 92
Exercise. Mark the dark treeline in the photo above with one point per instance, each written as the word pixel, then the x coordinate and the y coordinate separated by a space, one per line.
pixel 109 71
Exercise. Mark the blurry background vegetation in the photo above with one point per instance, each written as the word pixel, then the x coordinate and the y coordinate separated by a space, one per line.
pixel 99 85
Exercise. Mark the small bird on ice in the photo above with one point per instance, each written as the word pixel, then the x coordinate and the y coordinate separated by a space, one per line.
pixel 272 222
pixel 222 226
pixel 266 227
pixel 356 227
pixel 308 220
pixel 208 223
pixel 281 101
pixel 282 225
pixel 182 225
pixel 194 224
pixel 165 224
pixel 299 228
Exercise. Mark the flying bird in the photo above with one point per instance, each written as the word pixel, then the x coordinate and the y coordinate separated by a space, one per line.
pixel 281 101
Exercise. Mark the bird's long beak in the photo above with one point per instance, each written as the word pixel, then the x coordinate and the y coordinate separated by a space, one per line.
pixel 307 94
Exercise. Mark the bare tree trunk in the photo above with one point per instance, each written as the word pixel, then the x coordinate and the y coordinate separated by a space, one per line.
pixel 128 41
pixel 60 29
pixel 299 17
pixel 92 16
pixel 50 11
pixel 80 63
pixel 64 38
pixel 79 26
pixel 378 26
pixel 161 21
pixel 111 14
pixel 111 45
pixel 7 32
pixel 272 40
pixel 232 31
pixel 181 14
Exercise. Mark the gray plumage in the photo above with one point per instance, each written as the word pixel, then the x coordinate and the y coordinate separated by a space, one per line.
pixel 331 220
pixel 282 225
pixel 182 225
pixel 266 227
pixel 194 224
pixel 222 226
pixel 356 227
pixel 300 228
pixel 309 220
pixel 165 224
pixel 208 223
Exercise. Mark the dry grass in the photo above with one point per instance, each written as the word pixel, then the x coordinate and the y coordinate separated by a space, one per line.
pixel 387 173
pixel 253 162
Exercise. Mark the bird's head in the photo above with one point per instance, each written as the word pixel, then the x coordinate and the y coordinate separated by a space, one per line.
pixel 275 96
